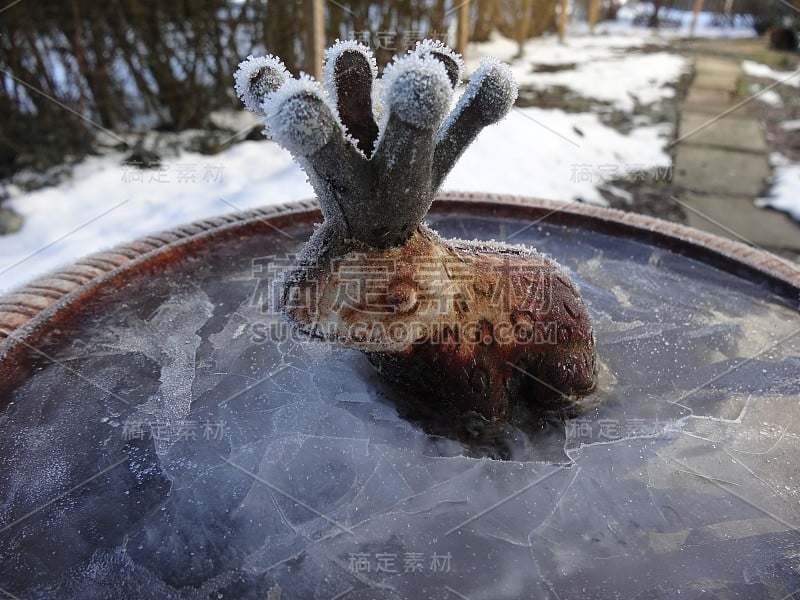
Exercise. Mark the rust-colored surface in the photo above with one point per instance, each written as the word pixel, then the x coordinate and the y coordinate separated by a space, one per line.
pixel 53 303
pixel 475 327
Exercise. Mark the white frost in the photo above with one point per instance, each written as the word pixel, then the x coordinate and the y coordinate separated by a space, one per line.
pixel 300 116
pixel 494 85
pixel 253 91
pixel 793 125
pixel 417 90
pixel 334 52
pixel 428 47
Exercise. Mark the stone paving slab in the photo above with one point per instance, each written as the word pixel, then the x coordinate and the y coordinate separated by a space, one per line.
pixel 759 226
pixel 10 221
pixel 717 81
pixel 717 171
pixel 713 64
pixel 725 163
pixel 731 132
pixel 707 100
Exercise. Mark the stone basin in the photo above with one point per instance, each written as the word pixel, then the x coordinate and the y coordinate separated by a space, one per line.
pixel 167 436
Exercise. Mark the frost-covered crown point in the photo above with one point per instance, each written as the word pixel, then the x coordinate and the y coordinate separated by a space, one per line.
pixel 349 72
pixel 258 77
pixel 333 53
pixel 495 89
pixel 451 59
pixel 417 91
pixel 299 117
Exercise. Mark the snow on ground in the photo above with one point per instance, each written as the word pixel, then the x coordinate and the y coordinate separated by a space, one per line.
pixel 770 97
pixel 754 69
pixel 606 67
pixel 678 23
pixel 107 203
pixel 641 78
pixel 785 192
pixel 547 50
pixel 539 152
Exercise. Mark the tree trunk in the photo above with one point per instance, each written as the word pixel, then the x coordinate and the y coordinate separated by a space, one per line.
pixel 488 11
pixel 279 36
pixel 436 25
pixel 463 28
pixel 654 17
pixel 594 14
pixel 524 24
pixel 698 6
pixel 316 37
pixel 543 17
pixel 562 21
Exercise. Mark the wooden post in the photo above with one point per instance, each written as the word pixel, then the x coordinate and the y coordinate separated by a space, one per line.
pixel 698 6
pixel 463 28
pixel 654 17
pixel 562 21
pixel 524 25
pixel 594 14
pixel 316 37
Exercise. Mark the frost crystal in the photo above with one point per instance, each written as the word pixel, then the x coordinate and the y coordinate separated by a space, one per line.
pixel 418 91
pixel 256 78
pixel 333 55
pixel 494 90
pixel 451 60
pixel 299 116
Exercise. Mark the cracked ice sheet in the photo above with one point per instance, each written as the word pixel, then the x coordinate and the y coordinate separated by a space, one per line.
pixel 316 467
pixel 168 338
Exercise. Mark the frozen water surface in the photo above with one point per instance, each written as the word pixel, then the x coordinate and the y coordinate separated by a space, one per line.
pixel 175 451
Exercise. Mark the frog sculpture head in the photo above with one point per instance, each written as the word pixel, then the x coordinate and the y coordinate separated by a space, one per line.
pixel 479 327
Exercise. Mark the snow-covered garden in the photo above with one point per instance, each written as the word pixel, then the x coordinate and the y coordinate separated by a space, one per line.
pixel 542 152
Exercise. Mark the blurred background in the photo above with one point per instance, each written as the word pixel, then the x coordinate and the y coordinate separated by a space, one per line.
pixel 128 89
